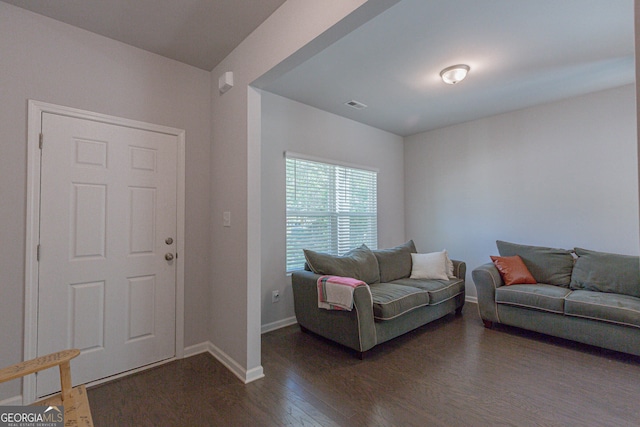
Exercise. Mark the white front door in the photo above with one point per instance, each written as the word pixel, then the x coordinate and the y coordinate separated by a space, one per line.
pixel 106 280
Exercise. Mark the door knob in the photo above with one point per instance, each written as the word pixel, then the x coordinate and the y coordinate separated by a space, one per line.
pixel 168 256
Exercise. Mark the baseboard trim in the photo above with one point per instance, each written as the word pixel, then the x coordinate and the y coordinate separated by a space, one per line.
pixel 279 324
pixel 12 401
pixel 192 350
pixel 254 374
pixel 228 362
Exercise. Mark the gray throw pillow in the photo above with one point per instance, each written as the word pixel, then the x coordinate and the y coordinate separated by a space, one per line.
pixel 395 263
pixel 605 272
pixel 547 265
pixel 359 263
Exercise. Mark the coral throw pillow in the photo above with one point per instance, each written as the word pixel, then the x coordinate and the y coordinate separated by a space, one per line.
pixel 513 270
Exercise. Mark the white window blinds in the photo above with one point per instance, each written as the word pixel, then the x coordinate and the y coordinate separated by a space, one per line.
pixel 330 208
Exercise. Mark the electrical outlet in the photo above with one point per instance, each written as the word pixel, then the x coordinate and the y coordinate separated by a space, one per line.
pixel 275 296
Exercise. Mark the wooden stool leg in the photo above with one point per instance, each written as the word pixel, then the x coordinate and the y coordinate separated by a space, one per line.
pixel 65 382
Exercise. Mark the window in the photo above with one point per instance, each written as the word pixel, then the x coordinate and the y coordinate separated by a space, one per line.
pixel 330 208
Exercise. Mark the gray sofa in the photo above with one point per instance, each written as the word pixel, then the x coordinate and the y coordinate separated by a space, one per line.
pixel 392 305
pixel 581 295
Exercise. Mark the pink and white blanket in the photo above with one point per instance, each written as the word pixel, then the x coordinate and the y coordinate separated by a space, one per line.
pixel 336 293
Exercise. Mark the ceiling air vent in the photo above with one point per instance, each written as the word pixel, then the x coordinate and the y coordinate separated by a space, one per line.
pixel 355 104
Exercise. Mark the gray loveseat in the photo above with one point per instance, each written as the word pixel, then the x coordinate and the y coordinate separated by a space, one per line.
pixel 581 295
pixel 395 304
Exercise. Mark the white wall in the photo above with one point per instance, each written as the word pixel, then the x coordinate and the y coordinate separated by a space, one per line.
pixel 294 32
pixel 636 12
pixel 291 126
pixel 49 61
pixel 560 175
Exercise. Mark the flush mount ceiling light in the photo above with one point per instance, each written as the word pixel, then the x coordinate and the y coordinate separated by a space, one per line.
pixel 454 74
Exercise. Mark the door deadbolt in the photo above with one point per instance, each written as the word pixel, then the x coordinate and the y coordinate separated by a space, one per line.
pixel 168 240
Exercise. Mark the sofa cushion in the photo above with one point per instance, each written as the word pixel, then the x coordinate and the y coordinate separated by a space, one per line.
pixel 391 301
pixel 359 263
pixel 605 272
pixel 540 296
pixel 512 270
pixel 439 290
pixel 547 265
pixel 614 308
pixel 395 263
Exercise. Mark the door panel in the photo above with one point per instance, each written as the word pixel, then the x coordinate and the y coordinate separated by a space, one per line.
pixel 108 202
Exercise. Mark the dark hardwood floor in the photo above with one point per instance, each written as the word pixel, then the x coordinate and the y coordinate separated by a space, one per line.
pixel 453 372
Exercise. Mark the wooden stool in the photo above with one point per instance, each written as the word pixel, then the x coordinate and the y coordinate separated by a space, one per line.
pixel 74 399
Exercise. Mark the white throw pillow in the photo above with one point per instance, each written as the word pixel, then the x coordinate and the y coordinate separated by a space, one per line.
pixel 449 265
pixel 429 266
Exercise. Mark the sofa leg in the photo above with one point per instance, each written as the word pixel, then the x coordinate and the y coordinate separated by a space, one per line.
pixel 459 310
pixel 487 324
pixel 361 354
pixel 303 329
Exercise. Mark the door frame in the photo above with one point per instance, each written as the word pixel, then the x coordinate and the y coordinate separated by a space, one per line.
pixel 36 110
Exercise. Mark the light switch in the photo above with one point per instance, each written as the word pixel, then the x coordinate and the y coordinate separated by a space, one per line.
pixel 226 219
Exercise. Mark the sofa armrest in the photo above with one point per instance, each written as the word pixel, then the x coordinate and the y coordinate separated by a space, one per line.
pixel 487 279
pixel 459 269
pixel 354 329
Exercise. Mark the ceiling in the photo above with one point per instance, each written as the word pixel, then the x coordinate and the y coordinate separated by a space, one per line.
pixel 521 53
pixel 197 32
